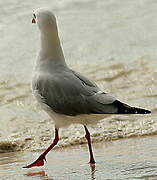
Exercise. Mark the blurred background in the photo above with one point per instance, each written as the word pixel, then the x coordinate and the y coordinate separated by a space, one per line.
pixel 111 42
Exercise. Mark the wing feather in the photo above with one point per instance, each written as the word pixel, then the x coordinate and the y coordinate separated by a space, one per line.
pixel 73 94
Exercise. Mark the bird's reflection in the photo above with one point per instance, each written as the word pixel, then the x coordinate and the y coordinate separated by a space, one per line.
pixel 41 174
pixel 93 170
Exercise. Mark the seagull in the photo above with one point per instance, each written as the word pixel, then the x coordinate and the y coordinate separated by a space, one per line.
pixel 67 96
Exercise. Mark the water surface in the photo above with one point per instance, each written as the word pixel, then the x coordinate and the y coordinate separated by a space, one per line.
pixel 132 159
pixel 111 42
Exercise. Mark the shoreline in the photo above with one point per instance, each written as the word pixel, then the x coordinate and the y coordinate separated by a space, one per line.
pixel 11 145
pixel 131 158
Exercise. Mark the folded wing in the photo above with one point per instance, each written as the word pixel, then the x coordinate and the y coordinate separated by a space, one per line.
pixel 73 94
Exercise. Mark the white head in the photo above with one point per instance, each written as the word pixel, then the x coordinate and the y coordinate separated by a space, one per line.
pixel 50 43
pixel 44 18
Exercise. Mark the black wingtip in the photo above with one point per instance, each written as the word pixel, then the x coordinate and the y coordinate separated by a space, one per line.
pixel 126 109
pixel 140 111
pixel 147 111
pixel 134 110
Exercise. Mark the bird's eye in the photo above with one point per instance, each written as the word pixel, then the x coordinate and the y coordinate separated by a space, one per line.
pixel 34 15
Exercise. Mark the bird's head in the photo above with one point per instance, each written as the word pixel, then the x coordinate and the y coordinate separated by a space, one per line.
pixel 44 18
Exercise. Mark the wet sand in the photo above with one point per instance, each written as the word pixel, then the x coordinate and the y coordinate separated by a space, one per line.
pixel 133 158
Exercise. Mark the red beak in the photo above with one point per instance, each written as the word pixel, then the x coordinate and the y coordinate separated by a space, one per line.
pixel 33 20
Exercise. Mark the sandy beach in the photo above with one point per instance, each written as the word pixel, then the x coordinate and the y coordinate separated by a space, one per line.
pixel 132 159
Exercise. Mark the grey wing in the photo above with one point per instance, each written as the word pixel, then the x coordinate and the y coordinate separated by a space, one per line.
pixel 72 94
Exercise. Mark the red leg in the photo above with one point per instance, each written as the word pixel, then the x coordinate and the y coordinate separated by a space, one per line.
pixel 87 136
pixel 41 158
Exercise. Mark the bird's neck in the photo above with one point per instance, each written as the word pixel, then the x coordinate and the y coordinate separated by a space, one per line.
pixel 50 47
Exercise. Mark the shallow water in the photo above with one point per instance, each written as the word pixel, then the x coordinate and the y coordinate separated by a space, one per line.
pixel 111 42
pixel 132 159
